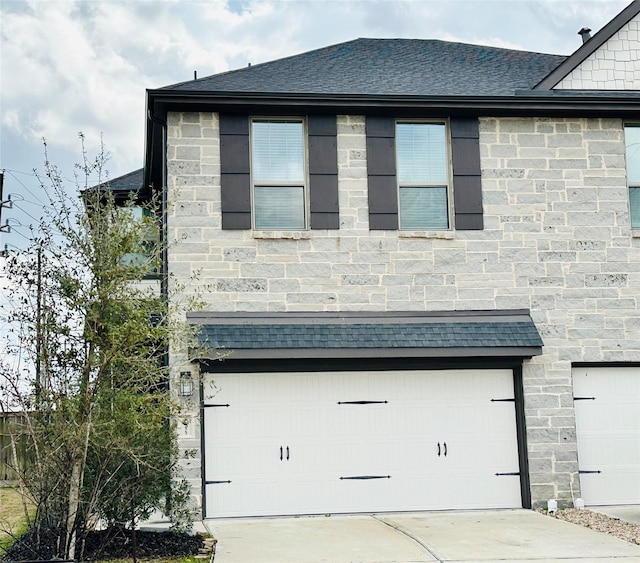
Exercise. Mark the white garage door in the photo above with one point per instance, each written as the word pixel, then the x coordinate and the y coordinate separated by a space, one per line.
pixel 315 443
pixel 607 405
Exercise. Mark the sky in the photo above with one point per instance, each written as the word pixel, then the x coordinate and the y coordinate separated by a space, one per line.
pixel 84 66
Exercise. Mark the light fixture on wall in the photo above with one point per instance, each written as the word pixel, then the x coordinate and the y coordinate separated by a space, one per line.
pixel 186 384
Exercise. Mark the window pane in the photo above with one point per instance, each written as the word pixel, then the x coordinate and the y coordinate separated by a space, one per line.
pixel 277 151
pixel 423 208
pixel 421 153
pixel 148 255
pixel 634 206
pixel 279 207
pixel 632 138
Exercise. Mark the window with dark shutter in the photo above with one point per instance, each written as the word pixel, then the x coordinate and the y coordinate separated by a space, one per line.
pixel 408 176
pixel 264 178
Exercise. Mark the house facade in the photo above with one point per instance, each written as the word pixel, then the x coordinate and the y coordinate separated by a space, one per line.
pixel 421 260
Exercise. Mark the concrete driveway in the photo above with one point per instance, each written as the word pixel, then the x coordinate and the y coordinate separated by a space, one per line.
pixel 501 535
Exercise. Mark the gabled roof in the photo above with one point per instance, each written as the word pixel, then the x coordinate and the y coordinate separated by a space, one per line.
pixel 588 48
pixel 386 67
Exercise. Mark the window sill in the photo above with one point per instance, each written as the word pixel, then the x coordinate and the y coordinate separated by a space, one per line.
pixel 445 235
pixel 282 235
pixel 635 233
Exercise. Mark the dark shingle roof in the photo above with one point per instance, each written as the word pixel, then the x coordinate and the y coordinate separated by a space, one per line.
pixel 326 334
pixel 436 335
pixel 412 67
pixel 128 183
pixel 389 66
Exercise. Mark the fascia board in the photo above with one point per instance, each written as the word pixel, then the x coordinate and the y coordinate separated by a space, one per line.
pixel 534 103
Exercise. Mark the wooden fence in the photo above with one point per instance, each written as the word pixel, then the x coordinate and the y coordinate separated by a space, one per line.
pixel 10 426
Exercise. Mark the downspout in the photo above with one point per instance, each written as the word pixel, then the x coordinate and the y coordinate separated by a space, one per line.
pixel 164 268
pixel 164 289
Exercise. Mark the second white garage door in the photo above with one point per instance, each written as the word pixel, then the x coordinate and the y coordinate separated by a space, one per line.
pixel 607 405
pixel 315 443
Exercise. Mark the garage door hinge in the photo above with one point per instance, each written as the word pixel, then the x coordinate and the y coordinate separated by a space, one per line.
pixel 227 405
pixel 216 482
pixel 363 477
pixel 584 398
pixel 362 402
pixel 507 474
pixel 503 400
pixel 586 471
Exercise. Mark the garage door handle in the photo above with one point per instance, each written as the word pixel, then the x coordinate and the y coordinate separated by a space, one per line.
pixel 445 449
pixel 438 449
pixel 287 453
pixel 280 453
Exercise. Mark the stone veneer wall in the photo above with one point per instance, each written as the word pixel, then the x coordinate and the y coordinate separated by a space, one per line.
pixel 556 241
pixel 614 66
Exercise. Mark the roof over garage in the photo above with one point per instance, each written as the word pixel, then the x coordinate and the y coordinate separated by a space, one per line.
pixel 509 333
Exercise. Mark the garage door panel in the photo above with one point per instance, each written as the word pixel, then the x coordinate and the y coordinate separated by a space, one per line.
pixel 338 426
pixel 486 491
pixel 607 409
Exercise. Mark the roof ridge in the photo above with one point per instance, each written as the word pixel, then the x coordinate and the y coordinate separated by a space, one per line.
pixel 480 45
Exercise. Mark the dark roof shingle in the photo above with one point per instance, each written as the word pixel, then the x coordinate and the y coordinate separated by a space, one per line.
pixel 434 335
pixel 374 334
pixel 127 183
pixel 412 67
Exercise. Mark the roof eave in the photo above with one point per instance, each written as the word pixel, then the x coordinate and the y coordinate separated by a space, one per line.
pixel 532 103
pixel 199 355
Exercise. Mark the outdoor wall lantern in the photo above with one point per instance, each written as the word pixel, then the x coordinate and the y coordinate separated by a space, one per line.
pixel 186 384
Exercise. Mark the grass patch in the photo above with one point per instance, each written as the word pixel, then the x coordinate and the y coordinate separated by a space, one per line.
pixel 12 520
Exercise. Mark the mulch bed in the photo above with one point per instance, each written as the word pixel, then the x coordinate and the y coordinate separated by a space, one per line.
pixel 108 544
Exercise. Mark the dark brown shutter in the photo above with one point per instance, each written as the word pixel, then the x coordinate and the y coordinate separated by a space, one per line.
pixel 381 173
pixel 235 179
pixel 467 184
pixel 323 172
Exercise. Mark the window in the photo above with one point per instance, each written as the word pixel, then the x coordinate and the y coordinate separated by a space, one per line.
pixel 423 176
pixel 278 174
pixel 318 198
pixel 148 247
pixel 632 140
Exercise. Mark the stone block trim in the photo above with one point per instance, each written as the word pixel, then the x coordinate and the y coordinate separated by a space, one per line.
pixel 556 240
